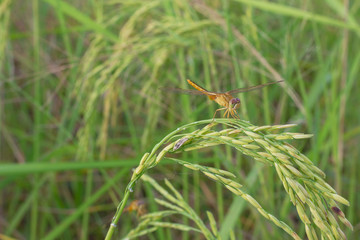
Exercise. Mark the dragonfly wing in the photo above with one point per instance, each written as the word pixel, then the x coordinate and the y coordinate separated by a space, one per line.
pixel 240 90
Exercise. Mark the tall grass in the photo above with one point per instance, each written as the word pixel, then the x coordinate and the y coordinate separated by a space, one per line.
pixel 79 86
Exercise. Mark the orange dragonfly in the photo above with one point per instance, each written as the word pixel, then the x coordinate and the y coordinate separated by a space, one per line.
pixel 225 99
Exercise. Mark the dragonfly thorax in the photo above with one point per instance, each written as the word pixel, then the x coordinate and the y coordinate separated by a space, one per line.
pixel 225 100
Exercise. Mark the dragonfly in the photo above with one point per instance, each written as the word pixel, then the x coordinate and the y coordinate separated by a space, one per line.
pixel 224 99
pixel 136 206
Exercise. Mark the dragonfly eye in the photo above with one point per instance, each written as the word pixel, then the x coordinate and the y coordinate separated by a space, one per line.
pixel 234 101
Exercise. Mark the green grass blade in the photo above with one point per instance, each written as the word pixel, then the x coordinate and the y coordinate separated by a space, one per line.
pixel 294 12
pixel 82 18
pixel 64 225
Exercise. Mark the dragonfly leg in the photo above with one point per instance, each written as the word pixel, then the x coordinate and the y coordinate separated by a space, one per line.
pixel 226 113
pixel 235 115
pixel 217 111
pixel 232 113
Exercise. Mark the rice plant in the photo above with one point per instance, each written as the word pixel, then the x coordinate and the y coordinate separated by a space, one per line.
pixel 316 201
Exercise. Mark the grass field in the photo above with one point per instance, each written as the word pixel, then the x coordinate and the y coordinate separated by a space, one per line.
pixel 83 100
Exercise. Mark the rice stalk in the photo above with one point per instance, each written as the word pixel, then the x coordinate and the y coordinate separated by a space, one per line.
pixel 314 199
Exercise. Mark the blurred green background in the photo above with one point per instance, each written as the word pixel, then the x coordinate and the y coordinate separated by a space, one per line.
pixel 81 102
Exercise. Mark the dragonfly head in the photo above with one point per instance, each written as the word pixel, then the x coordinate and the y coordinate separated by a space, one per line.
pixel 235 103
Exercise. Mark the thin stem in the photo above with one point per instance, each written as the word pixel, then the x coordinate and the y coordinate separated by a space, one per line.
pixel 117 215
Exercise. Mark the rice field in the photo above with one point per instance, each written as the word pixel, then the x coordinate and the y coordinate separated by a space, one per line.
pixel 95 142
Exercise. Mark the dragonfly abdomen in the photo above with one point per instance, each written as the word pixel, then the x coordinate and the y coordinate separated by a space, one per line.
pixel 201 89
